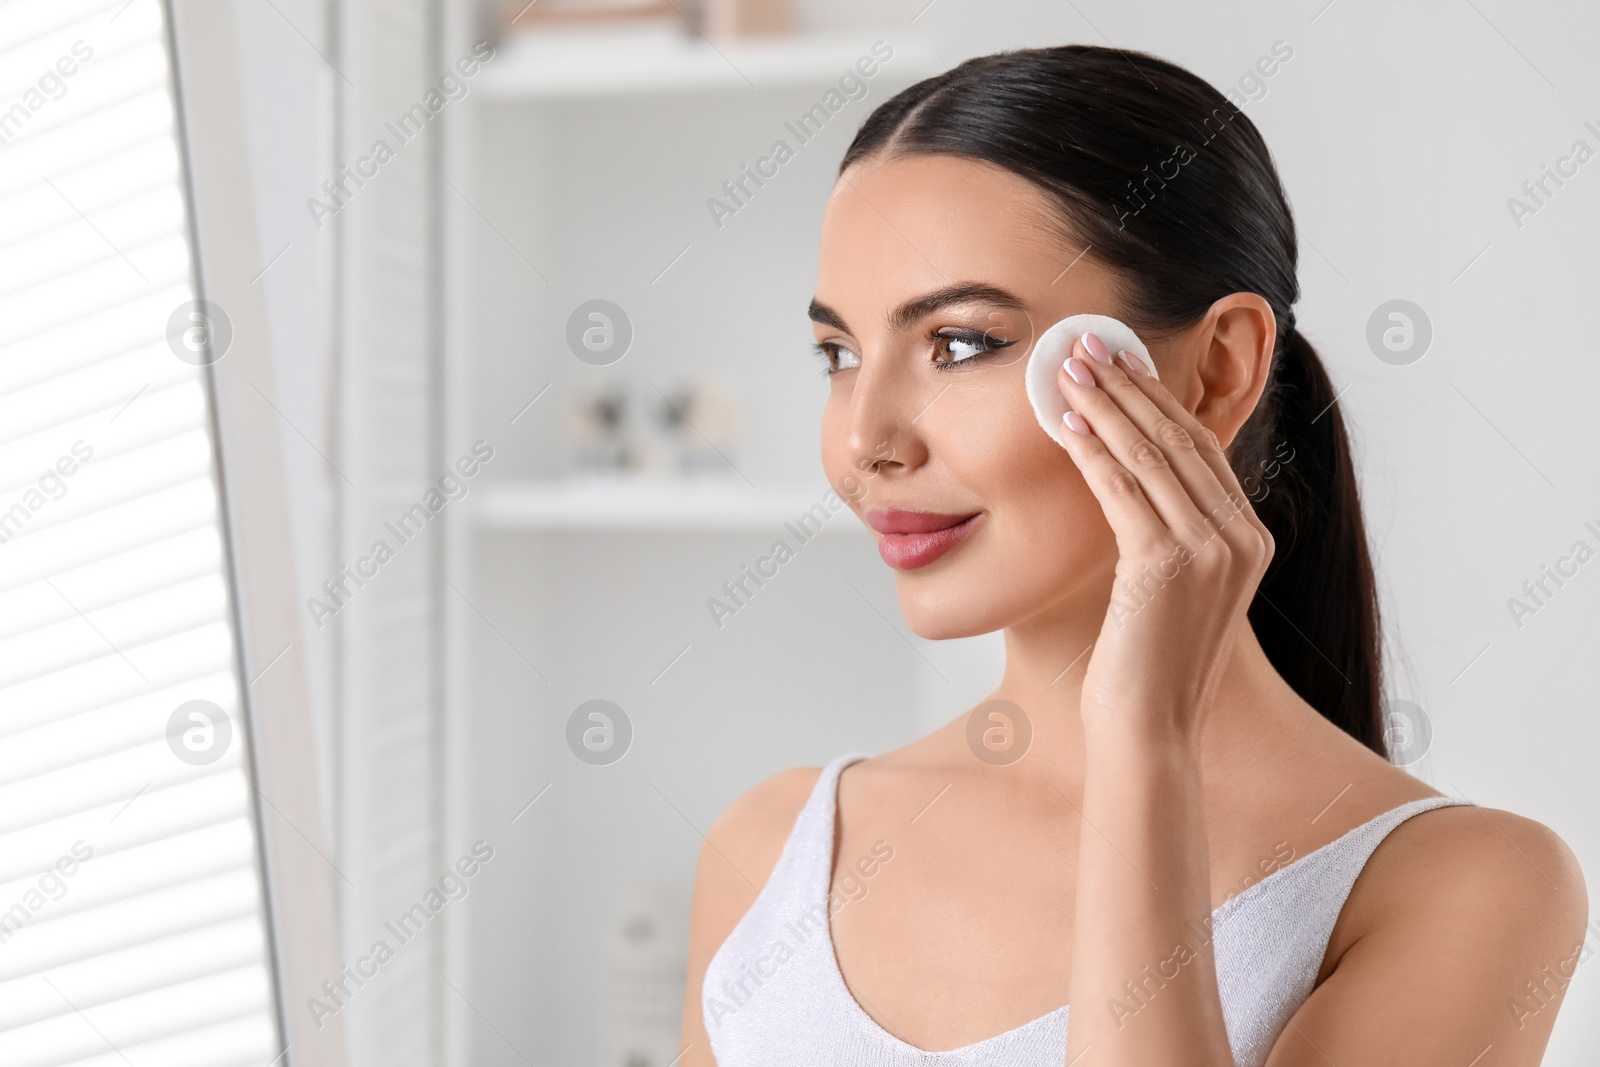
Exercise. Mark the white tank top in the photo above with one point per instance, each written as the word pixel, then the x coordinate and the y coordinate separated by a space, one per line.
pixel 774 996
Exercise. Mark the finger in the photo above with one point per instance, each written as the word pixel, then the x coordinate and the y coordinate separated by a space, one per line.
pixel 1139 531
pixel 1081 381
pixel 1126 380
pixel 1204 442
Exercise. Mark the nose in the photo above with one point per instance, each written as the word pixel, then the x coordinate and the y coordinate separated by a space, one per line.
pixel 882 434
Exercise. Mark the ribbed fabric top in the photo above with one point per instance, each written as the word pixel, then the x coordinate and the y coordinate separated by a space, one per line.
pixel 774 996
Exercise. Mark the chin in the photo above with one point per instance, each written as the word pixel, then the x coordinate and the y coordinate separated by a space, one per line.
pixel 986 585
pixel 940 618
pixel 965 593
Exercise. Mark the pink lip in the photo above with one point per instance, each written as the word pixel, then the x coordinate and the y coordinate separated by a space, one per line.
pixel 911 539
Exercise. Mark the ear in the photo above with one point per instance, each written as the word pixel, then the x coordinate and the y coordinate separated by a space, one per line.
pixel 1233 353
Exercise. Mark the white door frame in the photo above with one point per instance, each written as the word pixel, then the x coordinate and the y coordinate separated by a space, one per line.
pixel 298 873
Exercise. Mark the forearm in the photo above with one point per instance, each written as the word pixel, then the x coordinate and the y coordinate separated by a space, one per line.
pixel 1144 987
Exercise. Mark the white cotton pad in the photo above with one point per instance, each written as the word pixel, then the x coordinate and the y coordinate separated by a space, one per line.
pixel 1052 349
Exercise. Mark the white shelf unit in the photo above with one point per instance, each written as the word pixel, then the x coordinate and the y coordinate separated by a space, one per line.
pixel 576 62
pixel 646 505
pixel 602 580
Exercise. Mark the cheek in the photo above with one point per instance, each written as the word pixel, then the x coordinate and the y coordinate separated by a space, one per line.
pixel 1045 538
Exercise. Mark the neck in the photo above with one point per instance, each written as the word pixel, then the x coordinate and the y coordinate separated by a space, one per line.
pixel 1044 672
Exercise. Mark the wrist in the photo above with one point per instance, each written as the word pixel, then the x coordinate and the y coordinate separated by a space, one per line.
pixel 1142 737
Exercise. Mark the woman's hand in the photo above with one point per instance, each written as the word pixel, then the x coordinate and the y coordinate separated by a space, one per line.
pixel 1191 550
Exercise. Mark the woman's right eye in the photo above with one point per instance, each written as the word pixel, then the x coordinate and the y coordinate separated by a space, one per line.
pixel 835 357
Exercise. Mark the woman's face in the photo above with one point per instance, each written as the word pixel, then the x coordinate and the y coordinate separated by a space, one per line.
pixel 923 258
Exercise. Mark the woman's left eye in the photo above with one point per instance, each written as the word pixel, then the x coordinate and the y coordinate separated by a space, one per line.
pixel 960 346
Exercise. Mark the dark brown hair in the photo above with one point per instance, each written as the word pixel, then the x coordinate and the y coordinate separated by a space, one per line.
pixel 1172 188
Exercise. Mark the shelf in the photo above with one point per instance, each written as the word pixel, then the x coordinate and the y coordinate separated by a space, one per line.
pixel 649 505
pixel 575 62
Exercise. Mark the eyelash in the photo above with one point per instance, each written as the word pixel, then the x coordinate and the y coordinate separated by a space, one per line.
pixel 827 350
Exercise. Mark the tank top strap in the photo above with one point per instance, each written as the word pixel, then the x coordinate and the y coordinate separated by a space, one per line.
pixel 1326 875
pixel 1270 940
pixel 808 854
pixel 1347 856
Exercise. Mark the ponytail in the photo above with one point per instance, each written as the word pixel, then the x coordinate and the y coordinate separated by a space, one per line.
pixel 1316 610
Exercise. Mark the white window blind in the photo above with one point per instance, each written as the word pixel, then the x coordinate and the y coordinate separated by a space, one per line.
pixel 132 924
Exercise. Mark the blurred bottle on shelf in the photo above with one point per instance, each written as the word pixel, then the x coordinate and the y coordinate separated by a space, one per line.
pixel 646 956
pixel 700 420
pixel 597 419
pixel 688 429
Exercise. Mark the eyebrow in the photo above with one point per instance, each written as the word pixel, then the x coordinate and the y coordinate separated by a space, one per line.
pixel 909 312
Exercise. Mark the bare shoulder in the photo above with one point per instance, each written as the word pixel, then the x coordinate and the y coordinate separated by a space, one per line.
pixel 749 836
pixel 1466 868
pixel 1472 855
pixel 1462 932
pixel 736 859
pixel 741 849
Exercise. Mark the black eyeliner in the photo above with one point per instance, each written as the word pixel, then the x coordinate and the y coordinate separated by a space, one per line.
pixel 972 337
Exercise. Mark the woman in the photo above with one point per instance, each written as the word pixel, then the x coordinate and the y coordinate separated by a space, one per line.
pixel 1175 811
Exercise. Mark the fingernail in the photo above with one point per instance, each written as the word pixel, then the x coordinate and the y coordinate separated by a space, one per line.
pixel 1134 363
pixel 1075 423
pixel 1079 371
pixel 1097 348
